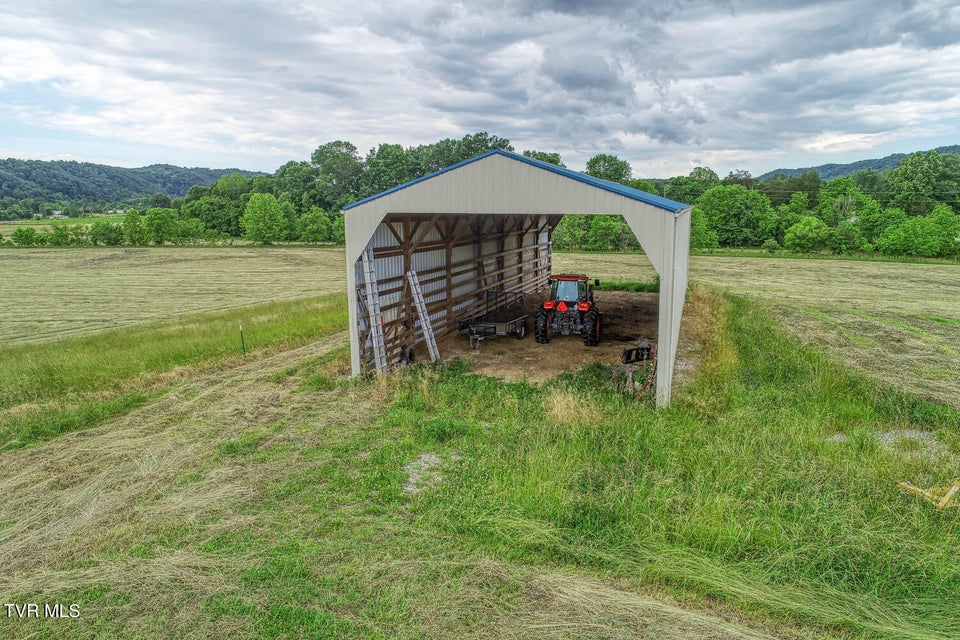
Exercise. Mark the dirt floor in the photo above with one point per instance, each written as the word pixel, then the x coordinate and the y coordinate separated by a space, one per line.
pixel 629 320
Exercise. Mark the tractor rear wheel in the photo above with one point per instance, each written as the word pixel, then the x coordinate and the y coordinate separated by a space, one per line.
pixel 591 328
pixel 541 326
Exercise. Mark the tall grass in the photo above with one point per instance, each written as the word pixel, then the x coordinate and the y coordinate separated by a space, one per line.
pixel 739 490
pixel 651 286
pixel 875 316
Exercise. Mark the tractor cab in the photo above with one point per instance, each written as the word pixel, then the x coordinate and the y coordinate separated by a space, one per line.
pixel 562 290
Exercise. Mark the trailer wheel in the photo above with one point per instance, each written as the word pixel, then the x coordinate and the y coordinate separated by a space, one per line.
pixel 521 333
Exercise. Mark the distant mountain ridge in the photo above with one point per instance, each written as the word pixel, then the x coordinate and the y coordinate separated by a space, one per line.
pixel 52 180
pixel 831 171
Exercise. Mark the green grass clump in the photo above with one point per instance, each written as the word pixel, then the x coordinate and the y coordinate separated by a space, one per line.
pixel 43 424
pixel 651 286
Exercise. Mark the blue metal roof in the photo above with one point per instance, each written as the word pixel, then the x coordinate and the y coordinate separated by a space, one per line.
pixel 606 185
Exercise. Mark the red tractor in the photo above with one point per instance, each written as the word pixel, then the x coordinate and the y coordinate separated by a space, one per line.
pixel 569 309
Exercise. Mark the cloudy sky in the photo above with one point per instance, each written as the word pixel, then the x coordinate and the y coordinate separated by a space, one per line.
pixel 755 84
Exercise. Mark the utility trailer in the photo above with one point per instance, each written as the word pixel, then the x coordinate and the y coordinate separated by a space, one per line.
pixel 505 314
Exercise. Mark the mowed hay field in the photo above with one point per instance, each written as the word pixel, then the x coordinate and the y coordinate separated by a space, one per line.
pixel 900 323
pixel 49 294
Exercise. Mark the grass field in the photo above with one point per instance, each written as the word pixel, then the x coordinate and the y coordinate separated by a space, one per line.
pixel 173 488
pixel 51 294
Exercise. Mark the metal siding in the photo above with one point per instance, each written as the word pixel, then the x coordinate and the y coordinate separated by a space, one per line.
pixel 382 237
pixel 496 184
pixel 433 236
pixel 433 292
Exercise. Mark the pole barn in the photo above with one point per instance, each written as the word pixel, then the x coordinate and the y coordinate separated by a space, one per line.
pixel 485 224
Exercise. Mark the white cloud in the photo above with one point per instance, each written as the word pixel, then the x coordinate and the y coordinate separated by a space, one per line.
pixel 665 87
pixel 835 141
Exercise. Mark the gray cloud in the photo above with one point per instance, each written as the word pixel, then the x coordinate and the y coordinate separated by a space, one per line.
pixel 588 75
pixel 742 84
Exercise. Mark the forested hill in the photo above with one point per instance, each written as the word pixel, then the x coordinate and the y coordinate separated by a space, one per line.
pixel 831 171
pixel 84 181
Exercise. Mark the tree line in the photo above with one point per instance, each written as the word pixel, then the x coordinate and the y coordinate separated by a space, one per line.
pixel 30 187
pixel 908 210
pixel 301 201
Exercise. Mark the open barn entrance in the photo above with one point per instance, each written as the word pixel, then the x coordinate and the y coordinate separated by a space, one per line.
pixel 483 227
pixel 629 319
pixel 459 261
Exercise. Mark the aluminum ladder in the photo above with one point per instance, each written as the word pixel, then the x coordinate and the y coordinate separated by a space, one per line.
pixel 373 310
pixel 425 325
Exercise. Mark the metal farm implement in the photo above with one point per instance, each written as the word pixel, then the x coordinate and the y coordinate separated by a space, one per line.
pixel 505 314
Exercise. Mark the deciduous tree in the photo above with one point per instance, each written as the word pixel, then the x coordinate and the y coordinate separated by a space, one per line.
pixel 641 184
pixel 735 214
pixel 314 226
pixel 133 231
pixel 338 173
pixel 545 156
pixel 808 235
pixel 701 235
pixel 948 224
pixel 917 236
pixel 604 234
pixel 840 199
pixel 913 182
pixel 609 167
pixel 24 236
pixel 263 220
pixel 106 233
pixel 160 226
pixel 689 188
pixel 385 167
